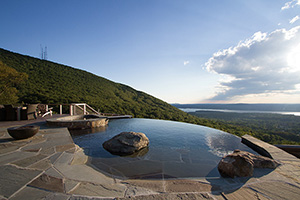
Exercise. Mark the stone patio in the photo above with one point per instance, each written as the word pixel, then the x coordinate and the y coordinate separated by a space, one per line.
pixel 50 166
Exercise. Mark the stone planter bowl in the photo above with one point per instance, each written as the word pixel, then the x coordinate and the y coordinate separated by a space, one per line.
pixel 23 132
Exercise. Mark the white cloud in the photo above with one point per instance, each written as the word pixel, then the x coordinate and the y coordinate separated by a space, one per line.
pixel 186 62
pixel 262 64
pixel 294 19
pixel 290 4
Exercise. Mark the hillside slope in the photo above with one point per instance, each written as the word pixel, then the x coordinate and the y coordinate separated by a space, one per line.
pixel 50 82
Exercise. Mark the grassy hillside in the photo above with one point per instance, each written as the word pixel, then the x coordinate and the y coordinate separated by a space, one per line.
pixel 50 82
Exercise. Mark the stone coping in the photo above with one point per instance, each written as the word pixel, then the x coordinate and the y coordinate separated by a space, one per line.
pixel 77 118
pixel 78 121
pixel 50 166
pixel 269 150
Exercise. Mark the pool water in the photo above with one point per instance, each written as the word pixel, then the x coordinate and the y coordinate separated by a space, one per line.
pixel 176 150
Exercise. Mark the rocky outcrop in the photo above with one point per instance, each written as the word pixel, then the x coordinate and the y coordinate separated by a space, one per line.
pixel 242 164
pixel 126 143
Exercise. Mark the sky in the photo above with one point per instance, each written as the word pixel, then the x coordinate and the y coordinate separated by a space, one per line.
pixel 180 51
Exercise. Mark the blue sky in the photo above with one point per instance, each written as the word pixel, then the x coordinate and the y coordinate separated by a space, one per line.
pixel 181 51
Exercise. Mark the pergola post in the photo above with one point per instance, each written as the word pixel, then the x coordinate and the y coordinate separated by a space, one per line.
pixel 60 109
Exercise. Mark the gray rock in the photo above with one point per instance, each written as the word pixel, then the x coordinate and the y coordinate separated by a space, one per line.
pixel 49 183
pixel 126 143
pixel 242 164
pixel 259 161
pixel 236 165
pixel 14 178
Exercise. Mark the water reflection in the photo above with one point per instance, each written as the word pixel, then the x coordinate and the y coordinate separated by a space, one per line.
pixel 78 132
pixel 176 149
pixel 139 153
pixel 219 144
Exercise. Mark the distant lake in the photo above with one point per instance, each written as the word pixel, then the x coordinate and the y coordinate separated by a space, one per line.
pixel 284 109
pixel 239 111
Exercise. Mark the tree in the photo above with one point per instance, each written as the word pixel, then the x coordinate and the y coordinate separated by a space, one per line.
pixel 9 79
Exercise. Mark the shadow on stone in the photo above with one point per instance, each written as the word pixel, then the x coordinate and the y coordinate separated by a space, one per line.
pixel 76 132
pixel 4 140
pixel 48 183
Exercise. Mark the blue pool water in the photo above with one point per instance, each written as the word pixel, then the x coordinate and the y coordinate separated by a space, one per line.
pixel 176 150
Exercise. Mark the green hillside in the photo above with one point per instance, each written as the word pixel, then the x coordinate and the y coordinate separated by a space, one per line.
pixel 49 82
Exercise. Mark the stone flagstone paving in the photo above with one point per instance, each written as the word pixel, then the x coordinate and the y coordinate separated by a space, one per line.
pixel 50 166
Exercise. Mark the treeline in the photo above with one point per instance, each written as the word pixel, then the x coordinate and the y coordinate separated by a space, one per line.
pixel 271 128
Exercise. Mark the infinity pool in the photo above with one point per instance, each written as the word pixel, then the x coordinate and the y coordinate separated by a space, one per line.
pixel 176 150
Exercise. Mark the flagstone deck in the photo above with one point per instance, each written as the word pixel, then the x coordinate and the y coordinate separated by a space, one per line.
pixel 50 166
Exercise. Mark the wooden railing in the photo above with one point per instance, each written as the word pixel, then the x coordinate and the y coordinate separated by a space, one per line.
pixel 85 108
pixel 74 108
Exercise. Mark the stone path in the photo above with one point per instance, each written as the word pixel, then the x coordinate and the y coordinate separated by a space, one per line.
pixel 50 166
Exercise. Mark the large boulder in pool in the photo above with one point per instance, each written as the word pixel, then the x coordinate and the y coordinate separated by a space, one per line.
pixel 242 164
pixel 126 143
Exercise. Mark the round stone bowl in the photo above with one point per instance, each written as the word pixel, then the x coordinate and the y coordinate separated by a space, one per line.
pixel 23 132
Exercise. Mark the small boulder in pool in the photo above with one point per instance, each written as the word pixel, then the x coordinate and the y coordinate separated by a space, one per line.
pixel 126 143
pixel 242 164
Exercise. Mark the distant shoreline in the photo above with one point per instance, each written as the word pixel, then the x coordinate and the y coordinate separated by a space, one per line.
pixel 264 108
pixel 239 111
